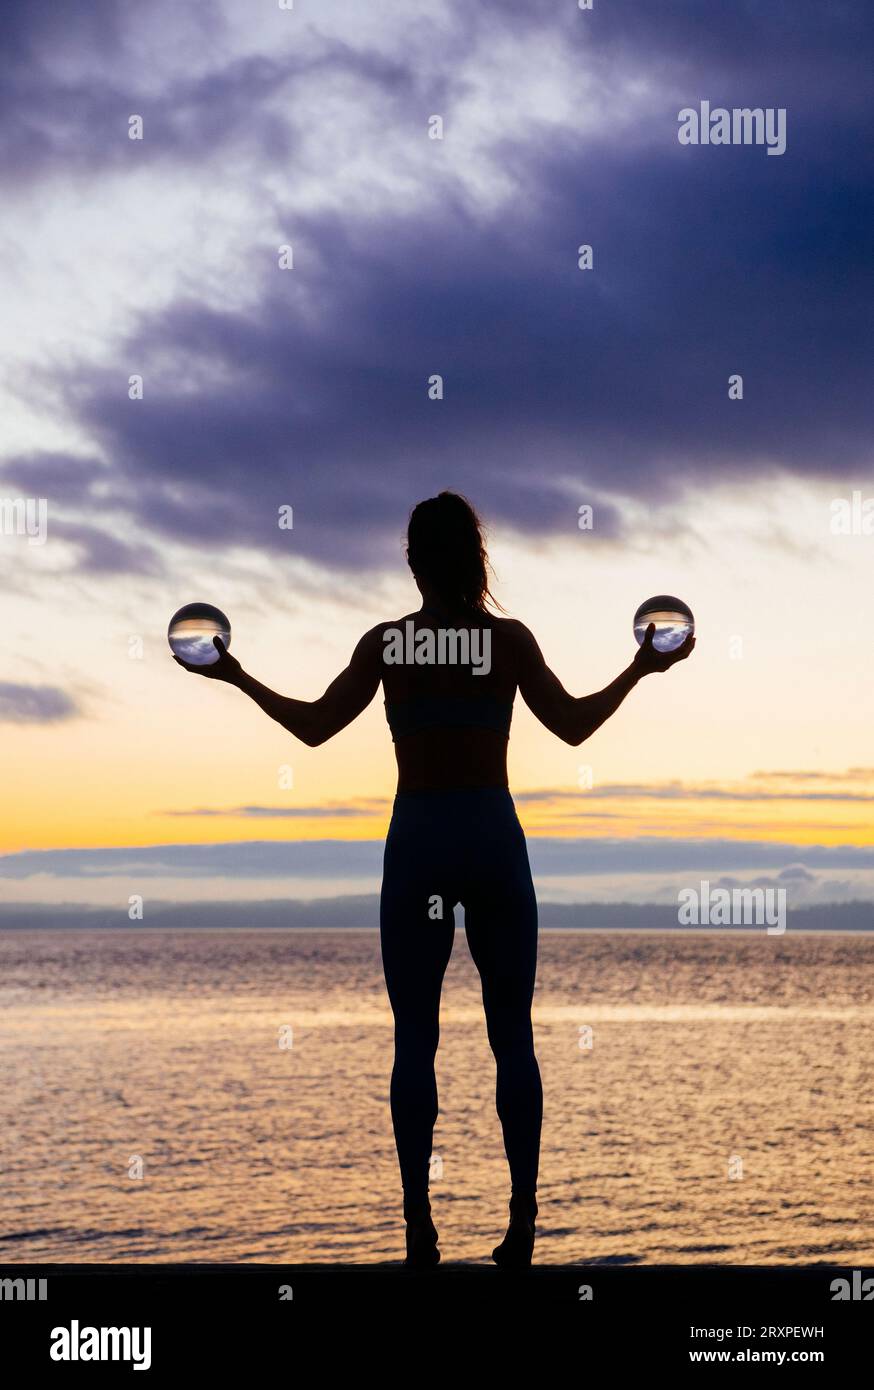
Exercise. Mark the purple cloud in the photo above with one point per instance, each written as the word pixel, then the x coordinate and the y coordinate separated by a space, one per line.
pixel 35 704
pixel 562 387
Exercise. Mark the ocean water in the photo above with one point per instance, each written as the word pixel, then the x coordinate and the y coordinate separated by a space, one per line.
pixel 150 1112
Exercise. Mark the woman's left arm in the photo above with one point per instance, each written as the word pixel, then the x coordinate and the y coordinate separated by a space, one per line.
pixel 575 720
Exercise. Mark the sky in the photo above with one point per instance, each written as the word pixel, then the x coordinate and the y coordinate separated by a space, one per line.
pixel 305 385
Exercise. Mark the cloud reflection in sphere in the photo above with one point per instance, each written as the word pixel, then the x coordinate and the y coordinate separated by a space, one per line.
pixel 191 632
pixel 673 622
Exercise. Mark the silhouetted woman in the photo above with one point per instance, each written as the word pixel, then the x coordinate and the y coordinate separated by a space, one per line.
pixel 450 672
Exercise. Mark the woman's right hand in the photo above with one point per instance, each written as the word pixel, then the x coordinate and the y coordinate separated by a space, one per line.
pixel 649 659
pixel 227 668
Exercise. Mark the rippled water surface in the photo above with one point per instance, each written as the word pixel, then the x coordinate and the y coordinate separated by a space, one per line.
pixel 710 1053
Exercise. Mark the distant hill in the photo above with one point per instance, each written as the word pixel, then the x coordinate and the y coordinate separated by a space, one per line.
pixel 363 911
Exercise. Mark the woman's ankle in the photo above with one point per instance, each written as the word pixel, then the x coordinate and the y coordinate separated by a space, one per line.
pixel 523 1204
pixel 416 1208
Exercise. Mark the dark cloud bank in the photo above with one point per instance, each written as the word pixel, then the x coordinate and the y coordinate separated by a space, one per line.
pixel 560 386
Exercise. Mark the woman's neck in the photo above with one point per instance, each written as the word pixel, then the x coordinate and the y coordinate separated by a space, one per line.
pixel 436 608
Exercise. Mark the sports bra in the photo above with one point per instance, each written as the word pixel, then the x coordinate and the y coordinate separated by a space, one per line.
pixel 448 712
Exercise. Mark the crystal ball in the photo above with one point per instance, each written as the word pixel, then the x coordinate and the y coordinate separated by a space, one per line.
pixel 191 632
pixel 673 622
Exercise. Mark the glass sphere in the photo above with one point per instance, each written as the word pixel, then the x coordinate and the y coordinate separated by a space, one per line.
pixel 673 622
pixel 191 632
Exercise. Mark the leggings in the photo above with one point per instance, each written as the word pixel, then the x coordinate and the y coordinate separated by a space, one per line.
pixel 443 848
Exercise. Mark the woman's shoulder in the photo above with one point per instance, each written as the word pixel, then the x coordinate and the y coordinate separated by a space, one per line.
pixel 515 632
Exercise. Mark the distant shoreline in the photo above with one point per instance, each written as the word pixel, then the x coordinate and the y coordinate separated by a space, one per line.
pixel 374 931
pixel 361 913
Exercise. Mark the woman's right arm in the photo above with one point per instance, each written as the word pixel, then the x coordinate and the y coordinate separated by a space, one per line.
pixel 312 721
pixel 574 720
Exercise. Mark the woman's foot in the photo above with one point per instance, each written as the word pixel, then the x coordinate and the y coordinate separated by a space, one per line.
pixel 422 1252
pixel 517 1247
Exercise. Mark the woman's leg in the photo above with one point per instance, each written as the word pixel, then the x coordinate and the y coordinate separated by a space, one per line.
pixel 503 943
pixel 501 925
pixel 416 946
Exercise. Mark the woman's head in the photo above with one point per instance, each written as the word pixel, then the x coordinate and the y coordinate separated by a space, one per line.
pixel 446 551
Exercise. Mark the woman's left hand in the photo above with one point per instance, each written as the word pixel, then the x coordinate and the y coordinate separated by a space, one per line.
pixel 227 668
pixel 650 660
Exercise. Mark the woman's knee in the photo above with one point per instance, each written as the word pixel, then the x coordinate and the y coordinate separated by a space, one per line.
pixel 415 1042
pixel 512 1042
